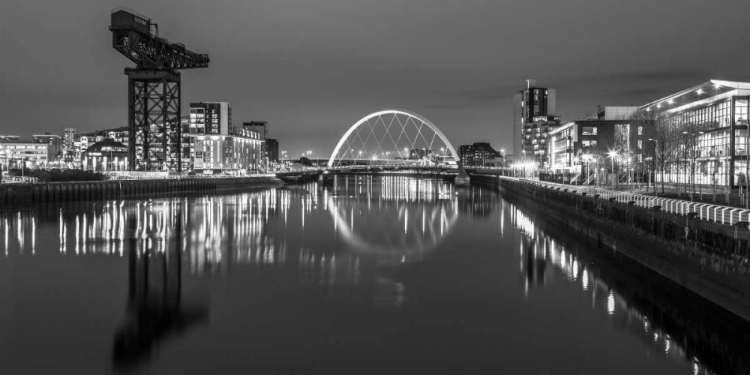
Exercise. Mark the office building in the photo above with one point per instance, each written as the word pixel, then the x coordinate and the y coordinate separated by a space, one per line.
pixel 591 142
pixel 534 116
pixel 712 133
pixel 18 154
pixel 54 141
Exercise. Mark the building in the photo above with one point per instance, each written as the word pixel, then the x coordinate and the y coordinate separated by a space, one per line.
pixel 211 118
pixel 480 154
pixel 105 155
pixel 272 145
pixel 17 154
pixel 9 138
pixel 709 145
pixel 534 110
pixel 579 150
pixel 68 138
pixel 228 154
pixel 260 127
pixel 54 141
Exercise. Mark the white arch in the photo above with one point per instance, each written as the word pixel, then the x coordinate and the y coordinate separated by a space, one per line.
pixel 395 112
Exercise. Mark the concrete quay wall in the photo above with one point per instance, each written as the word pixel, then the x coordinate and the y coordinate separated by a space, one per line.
pixel 709 259
pixel 53 192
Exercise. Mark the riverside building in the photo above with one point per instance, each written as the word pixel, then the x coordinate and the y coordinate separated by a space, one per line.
pixel 582 150
pixel 534 116
pixel 709 145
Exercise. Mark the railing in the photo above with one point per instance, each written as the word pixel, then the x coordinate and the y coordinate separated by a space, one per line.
pixel 704 211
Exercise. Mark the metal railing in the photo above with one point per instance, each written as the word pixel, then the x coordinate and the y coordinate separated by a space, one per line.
pixel 704 211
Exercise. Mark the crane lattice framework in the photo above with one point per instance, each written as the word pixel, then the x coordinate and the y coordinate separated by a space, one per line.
pixel 154 90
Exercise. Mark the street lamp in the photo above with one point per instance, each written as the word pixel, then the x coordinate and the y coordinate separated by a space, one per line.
pixel 653 163
pixel 587 158
pixel 613 154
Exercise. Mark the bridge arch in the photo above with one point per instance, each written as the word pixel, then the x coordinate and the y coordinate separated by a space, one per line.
pixel 410 115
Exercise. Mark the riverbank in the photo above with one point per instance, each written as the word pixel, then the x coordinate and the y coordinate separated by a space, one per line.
pixel 709 259
pixel 12 195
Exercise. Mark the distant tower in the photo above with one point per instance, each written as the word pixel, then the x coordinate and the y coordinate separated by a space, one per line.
pixel 534 110
pixel 68 139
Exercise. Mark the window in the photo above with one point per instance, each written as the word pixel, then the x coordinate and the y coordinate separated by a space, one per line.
pixel 589 130
pixel 640 142
pixel 588 143
pixel 640 132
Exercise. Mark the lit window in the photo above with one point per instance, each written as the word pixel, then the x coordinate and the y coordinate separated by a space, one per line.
pixel 640 130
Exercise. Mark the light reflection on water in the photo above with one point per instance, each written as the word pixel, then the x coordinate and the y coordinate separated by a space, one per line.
pixel 355 242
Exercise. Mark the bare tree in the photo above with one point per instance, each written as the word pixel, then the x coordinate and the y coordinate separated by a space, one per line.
pixel 663 133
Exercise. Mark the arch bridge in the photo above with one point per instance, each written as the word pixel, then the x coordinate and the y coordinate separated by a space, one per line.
pixel 396 138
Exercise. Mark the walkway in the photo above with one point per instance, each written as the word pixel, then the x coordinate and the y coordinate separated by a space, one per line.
pixel 724 214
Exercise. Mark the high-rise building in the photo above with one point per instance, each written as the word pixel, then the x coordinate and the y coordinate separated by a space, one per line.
pixel 211 118
pixel 69 137
pixel 534 110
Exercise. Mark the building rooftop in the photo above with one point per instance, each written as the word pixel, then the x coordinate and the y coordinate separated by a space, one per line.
pixel 107 145
pixel 700 94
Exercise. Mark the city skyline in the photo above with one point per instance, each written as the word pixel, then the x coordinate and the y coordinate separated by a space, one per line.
pixel 312 70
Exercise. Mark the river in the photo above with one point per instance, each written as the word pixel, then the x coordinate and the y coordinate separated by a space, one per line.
pixel 372 274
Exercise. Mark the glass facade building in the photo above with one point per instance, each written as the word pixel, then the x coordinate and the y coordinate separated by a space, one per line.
pixel 710 141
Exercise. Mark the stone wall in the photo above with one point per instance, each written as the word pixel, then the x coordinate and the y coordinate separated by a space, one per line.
pixel 33 193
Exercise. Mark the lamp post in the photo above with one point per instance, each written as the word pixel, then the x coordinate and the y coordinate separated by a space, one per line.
pixel 653 163
pixel 586 158
pixel 612 155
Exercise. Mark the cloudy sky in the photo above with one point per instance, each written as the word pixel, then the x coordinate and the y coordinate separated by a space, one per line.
pixel 311 68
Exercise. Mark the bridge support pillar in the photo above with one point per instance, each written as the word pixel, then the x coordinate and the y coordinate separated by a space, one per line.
pixel 462 179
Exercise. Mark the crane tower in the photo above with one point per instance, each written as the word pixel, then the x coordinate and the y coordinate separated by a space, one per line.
pixel 154 88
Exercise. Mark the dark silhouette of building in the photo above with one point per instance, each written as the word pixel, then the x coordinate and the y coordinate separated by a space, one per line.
pixel 272 145
pixel 480 154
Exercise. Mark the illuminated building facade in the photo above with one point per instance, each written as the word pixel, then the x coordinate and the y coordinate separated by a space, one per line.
pixel 68 138
pixel 210 118
pixel 54 141
pixel 712 122
pixel 227 154
pixel 577 142
pixel 18 154
pixel 534 110
pixel 105 155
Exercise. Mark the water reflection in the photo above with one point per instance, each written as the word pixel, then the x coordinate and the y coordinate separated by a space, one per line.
pixel 712 340
pixel 351 244
pixel 404 219
pixel 155 309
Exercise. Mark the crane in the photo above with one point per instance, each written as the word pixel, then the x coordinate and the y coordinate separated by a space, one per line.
pixel 154 90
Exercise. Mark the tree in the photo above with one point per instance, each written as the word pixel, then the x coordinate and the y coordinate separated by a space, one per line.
pixel 661 129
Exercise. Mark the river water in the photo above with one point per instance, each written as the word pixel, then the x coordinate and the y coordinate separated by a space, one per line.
pixel 372 274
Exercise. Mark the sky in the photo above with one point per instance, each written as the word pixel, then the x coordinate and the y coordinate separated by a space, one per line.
pixel 312 68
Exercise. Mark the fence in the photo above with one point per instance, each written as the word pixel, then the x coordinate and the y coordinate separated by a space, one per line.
pixel 704 211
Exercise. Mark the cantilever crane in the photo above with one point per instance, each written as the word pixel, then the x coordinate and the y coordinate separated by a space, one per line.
pixel 154 89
